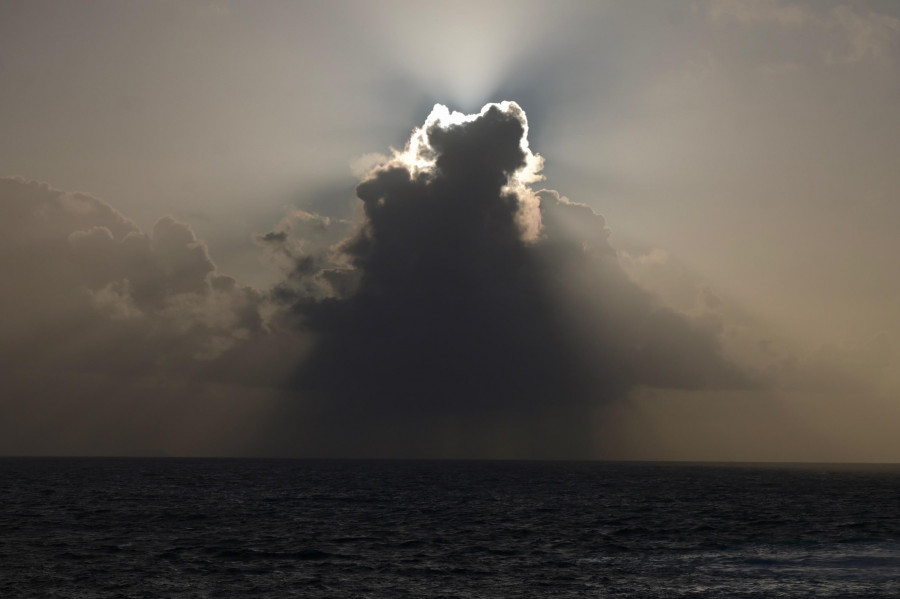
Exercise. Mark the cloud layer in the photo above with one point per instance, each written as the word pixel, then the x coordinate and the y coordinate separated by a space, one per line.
pixel 108 323
pixel 463 313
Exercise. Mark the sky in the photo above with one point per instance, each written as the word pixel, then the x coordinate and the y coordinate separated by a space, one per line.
pixel 605 230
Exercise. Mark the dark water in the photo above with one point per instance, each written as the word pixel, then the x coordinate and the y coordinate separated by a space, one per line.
pixel 78 528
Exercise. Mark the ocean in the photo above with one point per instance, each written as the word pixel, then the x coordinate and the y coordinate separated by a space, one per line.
pixel 81 528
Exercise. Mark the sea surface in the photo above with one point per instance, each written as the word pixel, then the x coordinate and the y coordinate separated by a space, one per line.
pixel 115 528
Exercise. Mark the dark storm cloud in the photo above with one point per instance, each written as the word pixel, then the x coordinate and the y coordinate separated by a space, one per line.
pixel 476 296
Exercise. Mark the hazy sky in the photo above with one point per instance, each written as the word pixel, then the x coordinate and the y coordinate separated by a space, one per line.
pixel 188 269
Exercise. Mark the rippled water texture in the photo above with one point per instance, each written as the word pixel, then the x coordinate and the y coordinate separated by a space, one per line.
pixel 78 528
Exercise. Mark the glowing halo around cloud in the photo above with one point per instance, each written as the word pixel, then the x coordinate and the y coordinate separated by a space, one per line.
pixel 419 157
